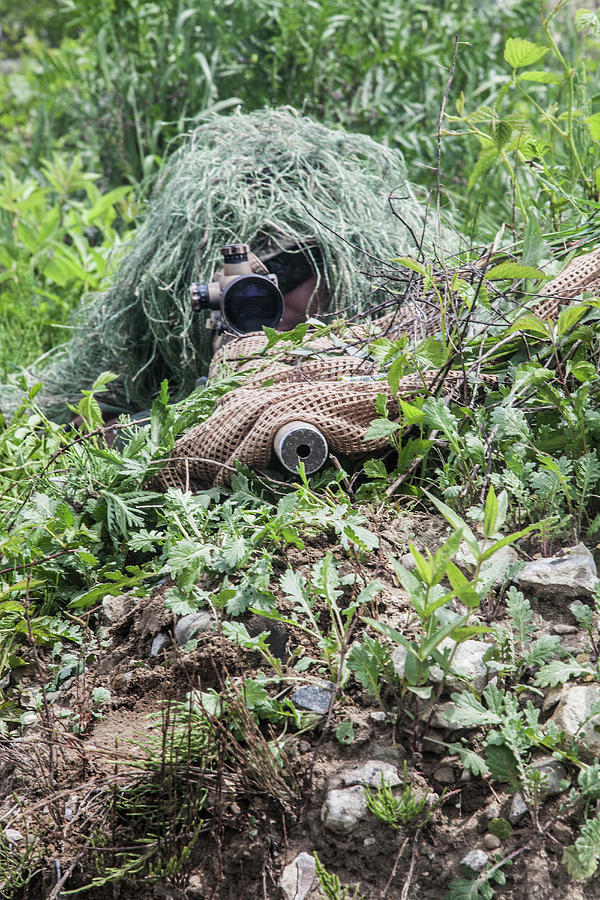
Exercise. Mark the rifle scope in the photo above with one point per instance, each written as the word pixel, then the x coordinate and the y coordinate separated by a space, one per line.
pixel 246 301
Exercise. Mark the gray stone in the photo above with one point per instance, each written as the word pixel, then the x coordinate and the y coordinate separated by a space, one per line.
pixel 554 772
pixel 344 809
pixel 574 707
pixel 371 773
pixel 160 642
pixel 195 623
pixel 409 562
pixel 475 860
pixel 496 567
pixel 13 836
pixel 114 608
pixel 491 842
pixel 563 628
pixel 572 574
pixel 313 697
pixel 466 664
pixel 444 774
pixel 492 811
pixel 393 754
pixel 378 717
pixel 297 878
pixel 518 808
pixel 443 717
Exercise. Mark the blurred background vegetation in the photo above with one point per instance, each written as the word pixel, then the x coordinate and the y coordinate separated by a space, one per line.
pixel 94 92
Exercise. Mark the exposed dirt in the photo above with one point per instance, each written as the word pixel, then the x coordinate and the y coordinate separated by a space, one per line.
pixel 59 789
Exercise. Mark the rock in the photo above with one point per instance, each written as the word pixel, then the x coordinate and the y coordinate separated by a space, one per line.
pixel 572 574
pixel 563 628
pixel 13 836
pixel 518 808
pixel 277 635
pixel 574 706
pixel 195 623
pixel 475 860
pixel 496 566
pixel 443 717
pixel 409 562
pixel 393 754
pixel 378 717
pixel 297 877
pixel 160 642
pixel 313 697
pixel 492 811
pixel 371 774
pixel 554 773
pixel 467 663
pixel 344 809
pixel 444 775
pixel 491 842
pixel 115 608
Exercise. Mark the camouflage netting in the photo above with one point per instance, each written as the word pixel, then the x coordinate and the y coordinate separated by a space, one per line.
pixel 332 385
pixel 267 178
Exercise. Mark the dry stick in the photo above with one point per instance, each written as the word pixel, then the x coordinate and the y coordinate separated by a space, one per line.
pixel 438 174
pixel 413 860
pixel 395 866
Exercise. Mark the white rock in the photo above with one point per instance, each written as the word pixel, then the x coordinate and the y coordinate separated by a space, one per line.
pixel 114 608
pixel 574 707
pixel 518 808
pixel 13 836
pixel 370 774
pixel 572 574
pixel 343 810
pixel 497 564
pixel 554 773
pixel 297 878
pixel 467 662
pixel 193 624
pixel 475 860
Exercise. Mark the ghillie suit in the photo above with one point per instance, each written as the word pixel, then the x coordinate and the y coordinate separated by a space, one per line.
pixel 269 179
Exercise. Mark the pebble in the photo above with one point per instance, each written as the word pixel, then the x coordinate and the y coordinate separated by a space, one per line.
pixel 563 628
pixel 571 574
pixel 444 774
pixel 13 836
pixel 371 774
pixel 344 809
pixel 314 698
pixel 577 701
pixel 518 808
pixel 297 878
pixel 195 623
pixel 554 774
pixel 475 860
pixel 160 642
pixel 378 717
pixel 491 842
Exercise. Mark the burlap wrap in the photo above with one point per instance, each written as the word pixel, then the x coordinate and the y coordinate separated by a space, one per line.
pixel 329 383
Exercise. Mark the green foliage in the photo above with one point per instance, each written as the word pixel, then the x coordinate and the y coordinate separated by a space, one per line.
pixel 401 810
pixel 57 232
pixel 534 131
pixel 331 886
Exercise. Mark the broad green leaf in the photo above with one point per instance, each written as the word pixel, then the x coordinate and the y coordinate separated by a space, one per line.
pixel 512 270
pixel 541 77
pixel 531 322
pixel 345 732
pixel 485 160
pixel 569 317
pixel 410 263
pixel 381 428
pixel 490 513
pixel 593 123
pixel 502 133
pixel 519 52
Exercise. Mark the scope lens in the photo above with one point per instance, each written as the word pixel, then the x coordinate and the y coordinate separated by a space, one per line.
pixel 250 302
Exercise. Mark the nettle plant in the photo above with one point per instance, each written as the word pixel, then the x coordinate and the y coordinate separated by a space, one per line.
pixel 437 589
